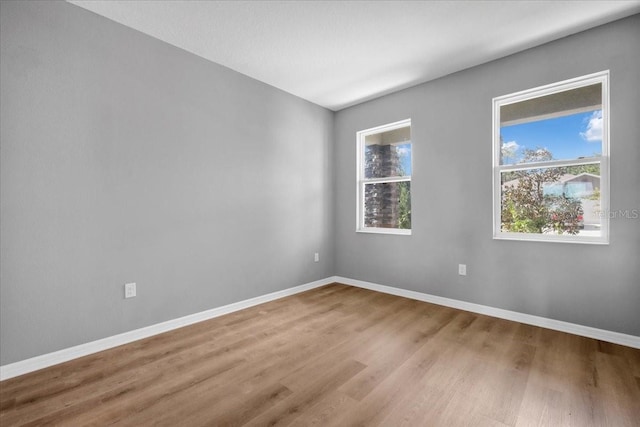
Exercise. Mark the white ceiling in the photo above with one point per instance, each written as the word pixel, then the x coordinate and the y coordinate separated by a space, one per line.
pixel 339 53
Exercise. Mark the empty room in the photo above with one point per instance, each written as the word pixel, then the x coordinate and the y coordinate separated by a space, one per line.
pixel 331 213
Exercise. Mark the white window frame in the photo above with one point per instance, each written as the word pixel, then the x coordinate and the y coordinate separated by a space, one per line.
pixel 361 180
pixel 600 77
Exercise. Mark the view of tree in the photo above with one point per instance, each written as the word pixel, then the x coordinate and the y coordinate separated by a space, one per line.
pixel 527 209
pixel 404 220
pixel 578 169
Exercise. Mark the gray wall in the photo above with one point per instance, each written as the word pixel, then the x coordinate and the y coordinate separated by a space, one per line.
pixel 590 285
pixel 125 159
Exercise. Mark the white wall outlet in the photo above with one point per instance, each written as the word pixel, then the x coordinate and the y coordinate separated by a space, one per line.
pixel 129 290
pixel 316 257
pixel 462 269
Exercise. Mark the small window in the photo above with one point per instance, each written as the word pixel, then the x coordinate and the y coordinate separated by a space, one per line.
pixel 550 162
pixel 384 179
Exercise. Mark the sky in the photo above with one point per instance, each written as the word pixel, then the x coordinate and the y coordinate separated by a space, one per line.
pixel 404 151
pixel 568 137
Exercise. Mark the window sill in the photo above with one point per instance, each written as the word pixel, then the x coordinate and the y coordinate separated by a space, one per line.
pixel 588 240
pixel 396 231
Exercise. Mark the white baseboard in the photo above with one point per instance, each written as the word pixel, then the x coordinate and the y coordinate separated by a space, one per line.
pixel 558 325
pixel 39 362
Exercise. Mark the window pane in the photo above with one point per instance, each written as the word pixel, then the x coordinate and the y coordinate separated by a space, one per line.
pixel 387 205
pixel 564 138
pixel 561 126
pixel 559 200
pixel 388 154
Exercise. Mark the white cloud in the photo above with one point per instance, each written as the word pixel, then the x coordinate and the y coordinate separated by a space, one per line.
pixel 509 149
pixel 594 128
pixel 403 151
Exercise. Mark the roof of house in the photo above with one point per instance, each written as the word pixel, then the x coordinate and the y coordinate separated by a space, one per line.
pixel 563 179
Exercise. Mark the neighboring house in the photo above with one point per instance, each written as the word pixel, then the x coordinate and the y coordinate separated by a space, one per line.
pixel 578 186
pixel 581 186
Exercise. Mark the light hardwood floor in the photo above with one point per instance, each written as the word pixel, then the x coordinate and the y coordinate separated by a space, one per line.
pixel 343 356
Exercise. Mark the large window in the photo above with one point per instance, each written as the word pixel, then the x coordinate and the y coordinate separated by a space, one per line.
pixel 551 162
pixel 384 179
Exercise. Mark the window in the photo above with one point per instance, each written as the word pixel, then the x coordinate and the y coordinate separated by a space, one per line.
pixel 551 162
pixel 384 179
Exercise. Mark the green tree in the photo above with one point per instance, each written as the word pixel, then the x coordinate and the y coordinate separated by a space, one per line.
pixel 578 169
pixel 404 220
pixel 527 209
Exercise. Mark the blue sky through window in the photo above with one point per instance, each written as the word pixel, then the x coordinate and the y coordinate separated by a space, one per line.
pixel 404 152
pixel 567 137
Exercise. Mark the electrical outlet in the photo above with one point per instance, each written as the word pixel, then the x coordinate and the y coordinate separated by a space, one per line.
pixel 316 257
pixel 129 290
pixel 462 269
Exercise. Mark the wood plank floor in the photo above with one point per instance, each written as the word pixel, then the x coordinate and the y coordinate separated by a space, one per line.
pixel 343 356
